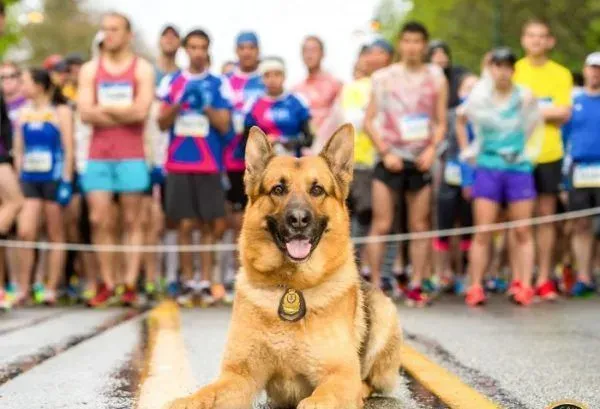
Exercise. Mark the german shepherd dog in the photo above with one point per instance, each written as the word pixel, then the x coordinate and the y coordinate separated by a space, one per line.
pixel 304 326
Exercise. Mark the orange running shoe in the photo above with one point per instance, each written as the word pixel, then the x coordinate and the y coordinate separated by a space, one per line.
pixel 524 297
pixel 547 291
pixel 475 296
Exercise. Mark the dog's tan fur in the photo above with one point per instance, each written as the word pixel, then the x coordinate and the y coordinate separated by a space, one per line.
pixel 348 344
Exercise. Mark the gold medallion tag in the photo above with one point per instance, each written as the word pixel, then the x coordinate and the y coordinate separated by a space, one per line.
pixel 292 306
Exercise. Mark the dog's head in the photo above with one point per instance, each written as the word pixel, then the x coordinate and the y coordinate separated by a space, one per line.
pixel 296 219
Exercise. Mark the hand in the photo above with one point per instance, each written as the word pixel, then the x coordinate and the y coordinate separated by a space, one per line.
pixel 157 176
pixel 64 193
pixel 425 159
pixel 392 162
pixel 192 95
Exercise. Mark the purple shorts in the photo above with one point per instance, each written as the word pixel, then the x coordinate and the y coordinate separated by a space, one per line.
pixel 503 186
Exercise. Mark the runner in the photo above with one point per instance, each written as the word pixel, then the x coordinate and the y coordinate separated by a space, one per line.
pixel 246 84
pixel 116 91
pixel 44 160
pixel 440 54
pixel 197 111
pixel 169 44
pixel 74 62
pixel 453 201
pixel 227 67
pixel 552 84
pixel 412 97
pixel 320 88
pixel 284 117
pixel 504 116
pixel 11 198
pixel 582 134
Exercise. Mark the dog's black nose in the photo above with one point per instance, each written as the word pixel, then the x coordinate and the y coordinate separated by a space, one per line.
pixel 297 218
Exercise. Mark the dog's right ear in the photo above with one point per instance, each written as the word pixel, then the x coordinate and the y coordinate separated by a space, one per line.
pixel 258 154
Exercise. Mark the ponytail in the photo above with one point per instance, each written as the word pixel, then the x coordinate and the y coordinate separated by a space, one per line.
pixel 42 77
pixel 57 97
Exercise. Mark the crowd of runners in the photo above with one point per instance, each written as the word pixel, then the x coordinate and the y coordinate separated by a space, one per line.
pixel 116 150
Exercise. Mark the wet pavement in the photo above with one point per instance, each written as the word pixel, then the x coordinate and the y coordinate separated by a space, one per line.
pixel 77 358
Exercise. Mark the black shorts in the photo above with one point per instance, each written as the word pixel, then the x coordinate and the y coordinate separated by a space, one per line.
pixel 360 192
pixel 236 195
pixel 40 190
pixel 408 180
pixel 547 177
pixel 452 206
pixel 194 196
pixel 584 198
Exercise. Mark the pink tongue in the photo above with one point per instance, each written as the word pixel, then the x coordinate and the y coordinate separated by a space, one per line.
pixel 298 249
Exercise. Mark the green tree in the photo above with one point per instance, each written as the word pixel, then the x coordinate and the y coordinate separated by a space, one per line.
pixel 67 27
pixel 474 27
pixel 12 30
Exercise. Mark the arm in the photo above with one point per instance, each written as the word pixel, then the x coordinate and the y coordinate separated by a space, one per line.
pixel 18 148
pixel 556 115
pixel 371 129
pixel 65 122
pixel 560 111
pixel 138 112
pixel 462 136
pixel 427 157
pixel 91 113
pixel 167 116
pixel 219 118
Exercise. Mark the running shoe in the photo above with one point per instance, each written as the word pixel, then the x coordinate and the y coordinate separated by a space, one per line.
pixel 88 294
pixel 514 288
pixel 186 297
pixel 218 292
pixel 547 291
pixel 50 298
pixel 475 296
pixel 568 279
pixel 460 288
pixel 429 285
pixel 205 294
pixel 416 298
pixel 152 293
pixel 524 296
pixel 11 292
pixel 127 296
pixel 581 289
pixel 501 285
pixel 104 298
pixel 38 293
pixel 389 286
pixel 174 289
pixel 5 304
pixel 229 293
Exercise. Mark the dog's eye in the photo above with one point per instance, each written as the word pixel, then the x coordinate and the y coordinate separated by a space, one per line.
pixel 278 190
pixel 317 191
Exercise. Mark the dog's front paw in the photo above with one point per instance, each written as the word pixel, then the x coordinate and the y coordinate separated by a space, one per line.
pixel 196 401
pixel 320 402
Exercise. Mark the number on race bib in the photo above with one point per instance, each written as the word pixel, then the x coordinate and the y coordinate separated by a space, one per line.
pixel 586 176
pixel 415 128
pixel 192 124
pixel 37 162
pixel 115 94
pixel 453 174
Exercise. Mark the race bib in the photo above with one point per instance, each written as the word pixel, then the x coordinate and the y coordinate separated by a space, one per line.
pixel 37 162
pixel 415 128
pixel 453 174
pixel 586 175
pixel 115 94
pixel 192 124
pixel 238 123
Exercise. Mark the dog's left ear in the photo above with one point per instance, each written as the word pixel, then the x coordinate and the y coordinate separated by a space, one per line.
pixel 339 155
pixel 258 154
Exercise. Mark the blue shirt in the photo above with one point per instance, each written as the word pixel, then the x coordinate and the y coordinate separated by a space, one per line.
pixel 195 146
pixel 582 132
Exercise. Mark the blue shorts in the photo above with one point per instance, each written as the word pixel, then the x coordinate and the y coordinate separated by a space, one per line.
pixel 119 176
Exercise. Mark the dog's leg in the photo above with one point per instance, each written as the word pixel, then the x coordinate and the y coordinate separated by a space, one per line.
pixel 230 391
pixel 339 389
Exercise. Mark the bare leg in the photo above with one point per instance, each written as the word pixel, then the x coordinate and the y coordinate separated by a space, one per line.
pixel 383 218
pixel 583 243
pixel 28 226
pixel 419 212
pixel 11 198
pixel 154 227
pixel 131 203
pixel 485 212
pixel 523 238
pixel 546 237
pixel 102 221
pixel 55 229
pixel 186 259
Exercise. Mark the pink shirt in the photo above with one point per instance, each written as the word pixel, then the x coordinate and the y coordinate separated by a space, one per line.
pixel 407 101
pixel 320 90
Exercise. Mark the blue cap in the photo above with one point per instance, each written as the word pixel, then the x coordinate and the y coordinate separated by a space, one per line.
pixel 383 44
pixel 247 37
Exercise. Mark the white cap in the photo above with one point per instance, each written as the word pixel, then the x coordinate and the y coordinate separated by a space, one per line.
pixel 593 59
pixel 271 64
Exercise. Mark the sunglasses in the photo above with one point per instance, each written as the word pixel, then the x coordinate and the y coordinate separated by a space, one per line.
pixel 10 76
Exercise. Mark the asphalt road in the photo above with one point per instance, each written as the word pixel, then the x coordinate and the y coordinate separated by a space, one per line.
pixel 76 358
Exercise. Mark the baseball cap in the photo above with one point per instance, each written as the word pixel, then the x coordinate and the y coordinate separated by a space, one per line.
pixel 383 44
pixel 503 54
pixel 593 59
pixel 51 61
pixel 74 59
pixel 247 37
pixel 172 28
